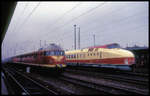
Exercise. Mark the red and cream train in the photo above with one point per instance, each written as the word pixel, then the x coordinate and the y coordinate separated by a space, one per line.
pixel 51 57
pixel 110 55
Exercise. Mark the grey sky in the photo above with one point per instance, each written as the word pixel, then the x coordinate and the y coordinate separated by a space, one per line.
pixel 111 22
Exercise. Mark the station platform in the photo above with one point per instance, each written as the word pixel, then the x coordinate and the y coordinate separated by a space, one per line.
pixel 4 90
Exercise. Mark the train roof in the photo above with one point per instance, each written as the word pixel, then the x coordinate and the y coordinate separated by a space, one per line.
pixel 96 48
pixel 109 46
pixel 51 47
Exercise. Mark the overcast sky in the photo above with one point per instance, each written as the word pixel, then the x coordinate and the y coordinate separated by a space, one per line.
pixel 125 23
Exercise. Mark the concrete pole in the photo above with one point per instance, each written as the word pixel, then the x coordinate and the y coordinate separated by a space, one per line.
pixel 75 37
pixel 79 38
pixel 94 39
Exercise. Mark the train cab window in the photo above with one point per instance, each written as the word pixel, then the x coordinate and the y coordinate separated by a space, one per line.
pixel 62 53
pixel 52 53
pixel 48 53
pixel 55 53
pixel 91 54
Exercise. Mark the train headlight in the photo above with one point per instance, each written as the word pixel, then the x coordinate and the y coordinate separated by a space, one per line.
pixel 126 61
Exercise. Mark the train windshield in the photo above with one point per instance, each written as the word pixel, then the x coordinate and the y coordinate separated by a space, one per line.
pixel 113 46
pixel 50 53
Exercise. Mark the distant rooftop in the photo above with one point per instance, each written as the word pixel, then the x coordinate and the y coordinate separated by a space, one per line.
pixel 135 47
pixel 112 45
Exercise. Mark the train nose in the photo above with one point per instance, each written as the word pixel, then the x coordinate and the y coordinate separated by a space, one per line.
pixel 129 56
pixel 58 58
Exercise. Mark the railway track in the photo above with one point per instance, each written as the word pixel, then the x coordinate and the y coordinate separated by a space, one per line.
pixel 114 72
pixel 102 88
pixel 69 87
pixel 107 90
pixel 75 84
pixel 66 89
pixel 26 85
pixel 117 77
pixel 117 88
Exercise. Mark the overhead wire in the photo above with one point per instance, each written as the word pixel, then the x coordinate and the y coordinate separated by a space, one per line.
pixel 132 28
pixel 96 19
pixel 29 15
pixel 116 21
pixel 60 18
pixel 100 5
pixel 104 15
pixel 122 19
pixel 22 13
pixel 27 18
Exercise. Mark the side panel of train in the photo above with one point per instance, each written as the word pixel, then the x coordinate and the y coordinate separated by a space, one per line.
pixel 100 57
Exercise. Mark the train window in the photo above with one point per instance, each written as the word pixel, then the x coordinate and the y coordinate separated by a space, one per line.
pixel 83 55
pixel 48 53
pixel 94 54
pixel 80 55
pixel 77 55
pixel 55 53
pixel 100 54
pixel 96 49
pixel 51 53
pixel 97 54
pixel 62 53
